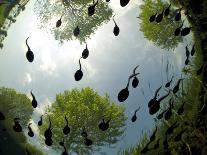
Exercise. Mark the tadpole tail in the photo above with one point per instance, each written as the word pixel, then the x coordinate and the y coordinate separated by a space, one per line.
pixel 66 119
pixel 80 62
pixel 27 44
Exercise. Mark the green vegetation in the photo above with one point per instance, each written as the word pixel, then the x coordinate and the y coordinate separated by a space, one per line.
pixel 9 10
pixel 193 93
pixel 75 13
pixel 160 34
pixel 84 108
pixel 13 104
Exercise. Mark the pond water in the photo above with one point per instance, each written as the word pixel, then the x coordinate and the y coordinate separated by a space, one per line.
pixel 106 70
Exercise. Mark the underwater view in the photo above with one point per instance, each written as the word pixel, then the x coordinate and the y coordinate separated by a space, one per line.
pixel 103 77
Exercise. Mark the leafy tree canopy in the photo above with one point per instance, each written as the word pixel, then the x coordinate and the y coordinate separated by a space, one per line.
pixel 14 104
pixel 84 108
pixel 74 14
pixel 161 34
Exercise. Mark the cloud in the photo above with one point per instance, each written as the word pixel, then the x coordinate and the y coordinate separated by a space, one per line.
pixel 27 79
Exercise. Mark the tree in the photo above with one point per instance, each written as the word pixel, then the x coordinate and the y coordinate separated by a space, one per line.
pixel 74 14
pixel 84 108
pixel 13 104
pixel 161 34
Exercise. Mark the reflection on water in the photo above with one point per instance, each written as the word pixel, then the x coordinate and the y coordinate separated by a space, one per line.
pixel 81 120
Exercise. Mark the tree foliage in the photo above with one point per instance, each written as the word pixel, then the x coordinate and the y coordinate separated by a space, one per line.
pixel 74 14
pixel 84 108
pixel 13 104
pixel 161 34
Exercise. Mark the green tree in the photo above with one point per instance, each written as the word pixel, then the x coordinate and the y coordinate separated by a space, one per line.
pixel 74 14
pixel 161 34
pixel 84 108
pixel 13 104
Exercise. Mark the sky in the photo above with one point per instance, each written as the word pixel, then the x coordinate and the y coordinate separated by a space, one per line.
pixel 106 70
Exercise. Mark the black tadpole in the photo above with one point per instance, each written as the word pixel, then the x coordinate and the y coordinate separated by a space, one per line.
pixel 48 132
pixel 116 28
pixel 40 121
pixel 124 93
pixel 17 127
pixel 88 142
pixel 155 107
pixel 192 52
pixel 78 74
pixel 168 113
pixel 134 117
pixel 65 151
pixel 178 15
pixel 123 3
pixel 185 31
pixel 59 22
pixel 167 11
pixel 152 18
pixel 181 109
pixel 29 54
pixel 76 31
pixel 91 9
pixel 153 136
pixel 34 101
pixel 168 83
pixel 153 100
pixel 159 17
pixel 104 125
pixel 176 88
pixel 30 133
pixel 85 52
pixel 160 116
pixel 66 129
pixel 171 128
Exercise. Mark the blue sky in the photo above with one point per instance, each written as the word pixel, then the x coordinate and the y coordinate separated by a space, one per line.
pixel 107 68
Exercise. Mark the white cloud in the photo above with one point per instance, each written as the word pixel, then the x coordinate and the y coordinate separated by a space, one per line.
pixel 27 79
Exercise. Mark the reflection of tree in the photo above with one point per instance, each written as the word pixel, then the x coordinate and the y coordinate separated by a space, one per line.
pixel 9 11
pixel 85 108
pixel 74 14
pixel 161 34
pixel 13 104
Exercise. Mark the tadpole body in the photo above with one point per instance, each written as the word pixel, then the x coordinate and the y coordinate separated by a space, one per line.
pixel 159 17
pixel 176 88
pixel 178 15
pixel 78 74
pixel 66 129
pixel 17 127
pixel 104 125
pixel 123 3
pixel 152 18
pixel 59 22
pixel 76 31
pixel 167 11
pixel 30 133
pixel 48 132
pixel 40 121
pixel 34 101
pixel 185 31
pixel 29 54
pixel 134 117
pixel 91 9
pixel 85 53
pixel 116 28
